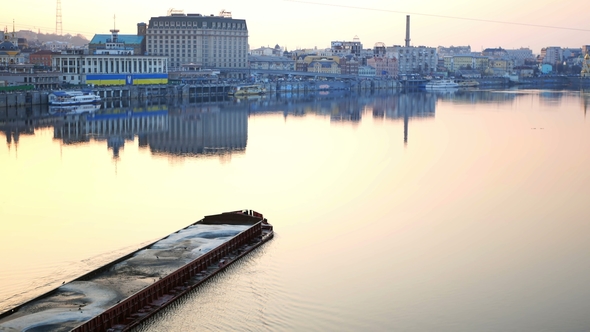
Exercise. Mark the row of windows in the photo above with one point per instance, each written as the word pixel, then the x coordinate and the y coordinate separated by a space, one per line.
pixel 153 33
pixel 215 25
pixel 225 43
pixel 195 37
pixel 96 70
pixel 97 62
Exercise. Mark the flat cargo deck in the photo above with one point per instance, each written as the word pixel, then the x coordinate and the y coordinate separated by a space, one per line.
pixel 121 294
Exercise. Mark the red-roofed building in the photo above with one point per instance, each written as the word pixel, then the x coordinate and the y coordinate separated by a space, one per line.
pixel 42 57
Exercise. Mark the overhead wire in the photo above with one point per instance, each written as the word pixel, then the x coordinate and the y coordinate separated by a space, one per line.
pixel 438 16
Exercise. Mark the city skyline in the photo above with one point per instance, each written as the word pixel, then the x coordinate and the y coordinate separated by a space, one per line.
pixel 306 24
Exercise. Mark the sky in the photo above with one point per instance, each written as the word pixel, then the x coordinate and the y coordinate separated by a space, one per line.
pixel 306 24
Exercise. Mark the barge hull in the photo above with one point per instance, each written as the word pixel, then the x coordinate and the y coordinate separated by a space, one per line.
pixel 134 308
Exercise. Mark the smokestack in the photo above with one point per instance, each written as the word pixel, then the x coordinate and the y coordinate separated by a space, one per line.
pixel 407 30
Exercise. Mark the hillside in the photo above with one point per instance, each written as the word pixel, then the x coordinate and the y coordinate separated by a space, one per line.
pixel 31 36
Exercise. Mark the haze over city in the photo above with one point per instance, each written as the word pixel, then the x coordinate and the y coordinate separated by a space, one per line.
pixel 306 24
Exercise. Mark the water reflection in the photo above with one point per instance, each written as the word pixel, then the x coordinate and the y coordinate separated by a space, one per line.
pixel 221 127
pixel 115 125
pixel 479 219
pixel 193 130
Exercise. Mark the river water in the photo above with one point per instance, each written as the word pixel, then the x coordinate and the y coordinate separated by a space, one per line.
pixel 460 211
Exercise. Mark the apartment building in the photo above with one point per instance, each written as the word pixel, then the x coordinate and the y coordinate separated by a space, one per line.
pixel 414 60
pixel 552 55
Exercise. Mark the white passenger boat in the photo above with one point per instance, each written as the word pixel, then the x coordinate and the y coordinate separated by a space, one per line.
pixel 73 97
pixel 441 85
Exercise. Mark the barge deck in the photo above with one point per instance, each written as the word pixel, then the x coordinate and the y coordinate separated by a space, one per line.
pixel 121 294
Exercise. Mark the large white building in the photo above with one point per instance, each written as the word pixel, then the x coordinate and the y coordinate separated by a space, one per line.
pixel 210 41
pixel 116 64
pixel 414 60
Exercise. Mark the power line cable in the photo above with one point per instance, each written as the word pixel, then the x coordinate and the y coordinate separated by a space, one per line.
pixel 439 16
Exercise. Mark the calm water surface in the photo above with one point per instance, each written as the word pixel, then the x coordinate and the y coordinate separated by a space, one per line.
pixel 465 211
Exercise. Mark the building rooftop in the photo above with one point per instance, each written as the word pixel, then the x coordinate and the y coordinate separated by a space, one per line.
pixel 127 39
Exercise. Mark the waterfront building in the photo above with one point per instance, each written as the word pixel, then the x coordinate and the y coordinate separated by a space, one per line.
pixel 447 63
pixel 271 62
pixel 349 65
pixel 193 74
pixel 42 58
pixel 102 43
pixel 453 50
pixel 116 64
pixel 495 53
pixel 384 67
pixel 367 71
pixel 520 56
pixel 463 62
pixel 481 63
pixel 212 41
pixel 300 64
pixel 379 50
pixel 501 67
pixel 267 51
pixel 342 48
pixel 324 66
pixel 25 74
pixel 552 55
pixel 9 51
pixel 524 71
pixel 414 60
pixel 545 68
pixel 56 46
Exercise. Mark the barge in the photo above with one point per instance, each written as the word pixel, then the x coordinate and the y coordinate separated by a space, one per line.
pixel 120 295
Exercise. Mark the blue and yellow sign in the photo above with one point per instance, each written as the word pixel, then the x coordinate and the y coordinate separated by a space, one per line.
pixel 127 79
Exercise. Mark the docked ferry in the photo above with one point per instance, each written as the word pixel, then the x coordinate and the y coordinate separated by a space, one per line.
pixel 73 97
pixel 441 85
pixel 247 90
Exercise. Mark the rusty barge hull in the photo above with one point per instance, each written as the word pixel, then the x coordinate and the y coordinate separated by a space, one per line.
pixel 122 294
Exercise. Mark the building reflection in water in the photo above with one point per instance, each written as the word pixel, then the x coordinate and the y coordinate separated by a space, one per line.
pixel 221 128
pixel 215 129
pixel 186 130
pixel 404 106
pixel 115 126
pixel 18 121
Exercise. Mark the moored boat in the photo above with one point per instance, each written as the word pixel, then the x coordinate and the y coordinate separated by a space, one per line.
pixel 441 84
pixel 247 90
pixel 73 97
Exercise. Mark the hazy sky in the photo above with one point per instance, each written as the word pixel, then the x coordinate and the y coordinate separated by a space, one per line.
pixel 316 23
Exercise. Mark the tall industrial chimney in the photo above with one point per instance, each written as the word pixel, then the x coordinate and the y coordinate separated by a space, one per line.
pixel 407 30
